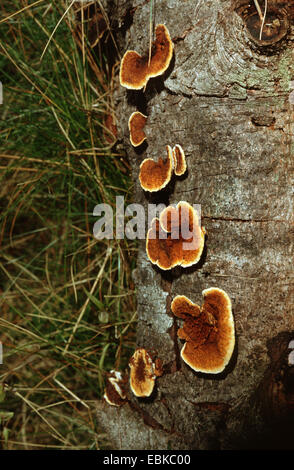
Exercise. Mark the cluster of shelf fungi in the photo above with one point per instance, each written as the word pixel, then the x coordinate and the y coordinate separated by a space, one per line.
pixel 176 238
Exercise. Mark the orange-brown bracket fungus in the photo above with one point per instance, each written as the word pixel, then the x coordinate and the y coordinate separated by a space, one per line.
pixel 135 70
pixel 137 123
pixel 176 238
pixel 208 331
pixel 179 160
pixel 154 175
pixel 114 393
pixel 143 372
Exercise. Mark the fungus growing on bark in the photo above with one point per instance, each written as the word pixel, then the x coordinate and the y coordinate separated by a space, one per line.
pixel 153 175
pixel 179 160
pixel 136 70
pixel 114 393
pixel 208 331
pixel 176 238
pixel 143 372
pixel 137 123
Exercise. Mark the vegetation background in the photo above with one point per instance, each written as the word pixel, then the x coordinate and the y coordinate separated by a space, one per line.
pixel 67 304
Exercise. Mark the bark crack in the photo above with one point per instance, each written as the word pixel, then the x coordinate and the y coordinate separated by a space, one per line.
pixel 236 219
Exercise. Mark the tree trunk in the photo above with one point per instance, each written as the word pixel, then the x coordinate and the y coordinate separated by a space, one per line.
pixel 225 100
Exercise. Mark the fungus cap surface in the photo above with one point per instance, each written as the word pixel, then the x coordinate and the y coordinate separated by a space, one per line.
pixel 180 165
pixel 114 393
pixel 135 70
pixel 137 123
pixel 155 176
pixel 208 331
pixel 176 238
pixel 142 376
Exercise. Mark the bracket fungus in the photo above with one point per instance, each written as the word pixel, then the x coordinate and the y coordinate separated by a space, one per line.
pixel 143 372
pixel 208 331
pixel 176 238
pixel 153 175
pixel 114 393
pixel 136 70
pixel 179 160
pixel 137 123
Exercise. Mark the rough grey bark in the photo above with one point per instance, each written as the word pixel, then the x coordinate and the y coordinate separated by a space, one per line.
pixel 225 99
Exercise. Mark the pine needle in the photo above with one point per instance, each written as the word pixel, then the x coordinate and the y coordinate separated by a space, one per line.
pixel 150 31
pixel 54 30
pixel 263 20
pixel 261 16
pixel 258 10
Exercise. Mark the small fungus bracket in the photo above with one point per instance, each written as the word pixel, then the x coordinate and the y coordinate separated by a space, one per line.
pixel 115 390
pixel 143 372
pixel 136 125
pixel 136 70
pixel 208 331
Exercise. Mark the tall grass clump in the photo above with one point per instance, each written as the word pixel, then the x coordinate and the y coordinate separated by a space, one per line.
pixel 67 309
